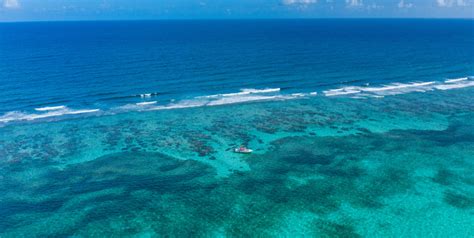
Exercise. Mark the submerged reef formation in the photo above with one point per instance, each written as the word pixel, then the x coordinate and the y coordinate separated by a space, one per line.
pixel 341 172
pixel 309 184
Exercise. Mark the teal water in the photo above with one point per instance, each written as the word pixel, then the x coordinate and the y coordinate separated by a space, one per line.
pixel 393 166
pixel 360 128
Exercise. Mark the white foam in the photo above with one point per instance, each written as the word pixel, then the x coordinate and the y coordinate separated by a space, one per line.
pixel 250 98
pixel 342 91
pixel 42 109
pixel 456 80
pixel 248 95
pixel 384 90
pixel 73 112
pixel 251 95
pixel 222 101
pixel 398 88
pixel 267 90
pixel 57 112
pixel 245 91
pixel 146 103
pixel 455 85
pixel 245 95
pixel 179 105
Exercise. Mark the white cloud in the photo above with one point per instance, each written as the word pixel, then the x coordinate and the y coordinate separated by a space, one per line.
pixel 292 2
pixel 462 3
pixel 445 3
pixel 11 4
pixel 403 4
pixel 354 3
pixel 450 3
pixel 374 6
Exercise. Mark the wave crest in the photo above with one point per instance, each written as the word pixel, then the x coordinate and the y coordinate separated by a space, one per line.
pixel 399 88
pixel 243 96
pixel 49 112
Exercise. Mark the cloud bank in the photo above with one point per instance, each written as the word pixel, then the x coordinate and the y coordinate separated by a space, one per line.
pixel 354 3
pixel 450 3
pixel 293 2
pixel 403 4
pixel 11 4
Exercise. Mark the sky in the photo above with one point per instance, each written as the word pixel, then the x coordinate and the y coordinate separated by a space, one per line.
pixel 67 10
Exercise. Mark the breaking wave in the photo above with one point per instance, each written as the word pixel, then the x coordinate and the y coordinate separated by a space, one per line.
pixel 243 96
pixel 48 112
pixel 399 88
pixel 245 91
pixel 146 103
pixel 55 108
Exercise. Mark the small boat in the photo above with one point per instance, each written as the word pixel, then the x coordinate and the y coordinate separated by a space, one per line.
pixel 243 150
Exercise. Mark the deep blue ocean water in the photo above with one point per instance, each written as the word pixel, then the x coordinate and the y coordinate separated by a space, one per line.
pixel 359 128
pixel 108 64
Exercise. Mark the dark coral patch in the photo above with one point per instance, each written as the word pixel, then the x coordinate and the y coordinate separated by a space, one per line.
pixel 184 198
pixel 307 157
pixel 445 177
pixel 127 172
pixel 459 200
pixel 332 229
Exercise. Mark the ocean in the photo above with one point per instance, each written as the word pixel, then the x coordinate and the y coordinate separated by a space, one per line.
pixel 360 128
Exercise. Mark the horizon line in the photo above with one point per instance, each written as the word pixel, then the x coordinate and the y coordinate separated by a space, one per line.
pixel 244 19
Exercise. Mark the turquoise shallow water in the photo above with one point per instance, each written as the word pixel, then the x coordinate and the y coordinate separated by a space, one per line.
pixel 396 166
